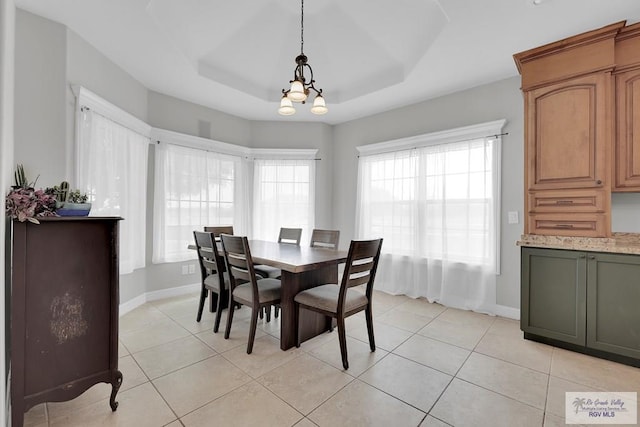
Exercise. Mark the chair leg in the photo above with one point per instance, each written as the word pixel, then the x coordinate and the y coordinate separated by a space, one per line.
pixel 276 311
pixel 252 331
pixel 216 324
pixel 227 330
pixel 342 337
pixel 369 317
pixel 267 311
pixel 262 313
pixel 296 318
pixel 213 301
pixel 203 296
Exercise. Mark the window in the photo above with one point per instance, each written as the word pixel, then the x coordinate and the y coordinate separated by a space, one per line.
pixel 284 196
pixel 111 167
pixel 193 188
pixel 435 201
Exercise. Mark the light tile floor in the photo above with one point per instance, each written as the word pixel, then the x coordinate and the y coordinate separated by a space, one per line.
pixel 434 366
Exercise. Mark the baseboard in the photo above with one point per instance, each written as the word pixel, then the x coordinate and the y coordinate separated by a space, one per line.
pixel 132 303
pixel 172 292
pixel 157 295
pixel 509 312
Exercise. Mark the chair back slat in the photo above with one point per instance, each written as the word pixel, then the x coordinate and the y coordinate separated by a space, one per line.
pixel 358 280
pixel 210 265
pixel 361 266
pixel 325 238
pixel 290 235
pixel 238 266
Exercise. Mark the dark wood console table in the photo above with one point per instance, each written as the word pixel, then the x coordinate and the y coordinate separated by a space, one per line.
pixel 64 310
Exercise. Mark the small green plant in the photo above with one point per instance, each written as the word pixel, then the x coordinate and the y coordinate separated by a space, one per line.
pixel 21 178
pixel 75 196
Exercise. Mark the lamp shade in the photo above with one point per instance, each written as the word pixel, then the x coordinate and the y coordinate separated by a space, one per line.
pixel 297 94
pixel 286 107
pixel 319 106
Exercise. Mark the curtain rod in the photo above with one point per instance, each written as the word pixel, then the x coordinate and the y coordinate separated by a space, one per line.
pixel 227 154
pixel 443 143
pixel 85 108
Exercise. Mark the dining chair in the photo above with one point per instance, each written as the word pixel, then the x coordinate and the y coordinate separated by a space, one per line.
pixel 217 230
pixel 245 287
pixel 214 280
pixel 287 235
pixel 340 301
pixel 325 238
pixel 290 235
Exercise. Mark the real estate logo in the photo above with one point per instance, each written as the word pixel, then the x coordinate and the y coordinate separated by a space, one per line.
pixel 601 408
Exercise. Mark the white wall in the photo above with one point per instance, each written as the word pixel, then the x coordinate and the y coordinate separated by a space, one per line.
pixel 499 100
pixel 40 98
pixel 7 39
pixel 88 67
pixel 174 114
pixel 625 208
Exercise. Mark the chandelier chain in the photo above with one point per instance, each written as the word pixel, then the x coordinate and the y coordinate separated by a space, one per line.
pixel 302 26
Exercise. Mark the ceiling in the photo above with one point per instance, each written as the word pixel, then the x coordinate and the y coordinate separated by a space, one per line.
pixel 368 56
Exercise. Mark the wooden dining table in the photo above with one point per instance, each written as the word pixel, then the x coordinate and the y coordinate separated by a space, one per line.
pixel 302 267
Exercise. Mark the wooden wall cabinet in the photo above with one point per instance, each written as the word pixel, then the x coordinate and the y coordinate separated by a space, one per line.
pixel 582 129
pixel 588 300
pixel 64 310
pixel 568 95
pixel 627 110
pixel 567 157
pixel 627 176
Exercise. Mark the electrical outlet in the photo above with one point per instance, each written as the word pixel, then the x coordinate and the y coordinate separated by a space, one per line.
pixel 185 269
pixel 513 217
pixel 192 268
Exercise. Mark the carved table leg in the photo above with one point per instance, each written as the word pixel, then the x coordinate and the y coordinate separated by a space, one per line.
pixel 115 386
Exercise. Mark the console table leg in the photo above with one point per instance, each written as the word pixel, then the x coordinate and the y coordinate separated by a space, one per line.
pixel 115 386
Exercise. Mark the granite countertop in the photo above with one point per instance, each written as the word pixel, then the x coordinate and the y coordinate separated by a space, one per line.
pixel 623 243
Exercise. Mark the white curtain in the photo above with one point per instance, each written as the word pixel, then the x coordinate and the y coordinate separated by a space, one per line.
pixel 283 196
pixel 436 208
pixel 111 166
pixel 195 188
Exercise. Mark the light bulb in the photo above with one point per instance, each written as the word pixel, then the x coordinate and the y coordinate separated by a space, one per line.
pixel 296 94
pixel 286 107
pixel 319 106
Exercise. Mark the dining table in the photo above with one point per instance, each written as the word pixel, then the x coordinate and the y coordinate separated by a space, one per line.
pixel 302 267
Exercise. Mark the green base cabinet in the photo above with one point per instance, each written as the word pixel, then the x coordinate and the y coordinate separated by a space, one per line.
pixel 554 284
pixel 589 300
pixel 613 303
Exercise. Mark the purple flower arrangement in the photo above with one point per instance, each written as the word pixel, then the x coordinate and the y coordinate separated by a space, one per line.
pixel 27 204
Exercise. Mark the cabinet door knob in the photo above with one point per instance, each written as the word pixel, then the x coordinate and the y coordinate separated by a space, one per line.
pixel 592 257
pixel 599 182
pixel 582 256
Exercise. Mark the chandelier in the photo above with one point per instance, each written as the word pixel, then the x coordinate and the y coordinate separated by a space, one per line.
pixel 300 86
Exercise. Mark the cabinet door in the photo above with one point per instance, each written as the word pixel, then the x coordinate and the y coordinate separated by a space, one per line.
pixel 554 294
pixel 627 149
pixel 613 303
pixel 568 134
